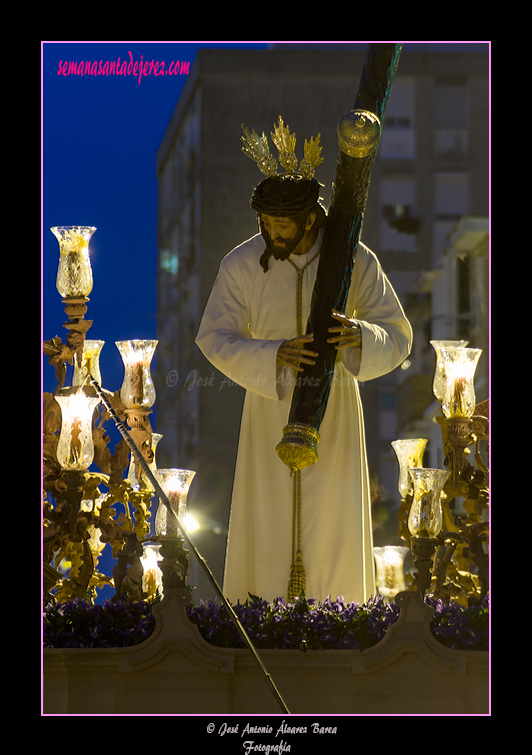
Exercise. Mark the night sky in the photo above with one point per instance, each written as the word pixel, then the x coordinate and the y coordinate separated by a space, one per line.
pixel 100 136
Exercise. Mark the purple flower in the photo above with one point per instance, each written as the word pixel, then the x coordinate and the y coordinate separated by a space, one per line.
pixel 328 624
pixel 78 623
pixel 304 624
pixel 459 627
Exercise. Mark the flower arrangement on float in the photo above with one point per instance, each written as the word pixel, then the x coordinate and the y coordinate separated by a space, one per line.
pixel 301 625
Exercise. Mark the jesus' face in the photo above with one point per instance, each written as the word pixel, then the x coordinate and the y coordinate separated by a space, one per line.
pixel 284 235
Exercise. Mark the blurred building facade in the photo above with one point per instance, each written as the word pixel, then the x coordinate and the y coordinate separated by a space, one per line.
pixel 426 219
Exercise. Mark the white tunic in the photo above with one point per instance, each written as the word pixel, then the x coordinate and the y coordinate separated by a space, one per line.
pixel 248 315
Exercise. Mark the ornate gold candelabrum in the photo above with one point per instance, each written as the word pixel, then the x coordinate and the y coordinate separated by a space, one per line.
pixel 463 567
pixel 456 553
pixel 81 520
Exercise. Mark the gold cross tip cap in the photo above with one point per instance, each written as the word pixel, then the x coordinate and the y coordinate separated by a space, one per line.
pixel 297 448
pixel 358 133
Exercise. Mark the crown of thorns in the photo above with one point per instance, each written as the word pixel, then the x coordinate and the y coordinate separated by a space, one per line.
pixel 256 147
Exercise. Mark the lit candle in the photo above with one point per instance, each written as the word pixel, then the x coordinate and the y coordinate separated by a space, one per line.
pixel 75 440
pixel 74 274
pixel 439 372
pixel 136 382
pixel 75 449
pixel 175 484
pixel 458 407
pixel 390 569
pixel 409 454
pixel 152 578
pixel 137 389
pixel 458 398
pixel 425 516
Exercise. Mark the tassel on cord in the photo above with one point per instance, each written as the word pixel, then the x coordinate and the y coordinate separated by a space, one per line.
pixel 296 582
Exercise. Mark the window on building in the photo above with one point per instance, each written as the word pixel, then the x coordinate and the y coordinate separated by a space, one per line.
pixel 451 196
pixel 399 224
pixel 450 119
pixel 451 202
pixel 168 261
pixel 397 141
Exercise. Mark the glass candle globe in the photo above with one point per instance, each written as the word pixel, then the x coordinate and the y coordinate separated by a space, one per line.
pixel 175 484
pixel 137 389
pixel 75 449
pixel 425 517
pixel 409 454
pixel 438 383
pixel 389 562
pixel 152 578
pixel 90 363
pixel 74 274
pixel 459 365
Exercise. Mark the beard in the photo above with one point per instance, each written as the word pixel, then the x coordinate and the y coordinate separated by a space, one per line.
pixel 282 250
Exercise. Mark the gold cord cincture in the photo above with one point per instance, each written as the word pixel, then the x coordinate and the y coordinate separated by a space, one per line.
pixel 296 581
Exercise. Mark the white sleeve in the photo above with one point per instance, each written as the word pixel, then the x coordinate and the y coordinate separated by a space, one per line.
pixel 386 332
pixel 225 339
